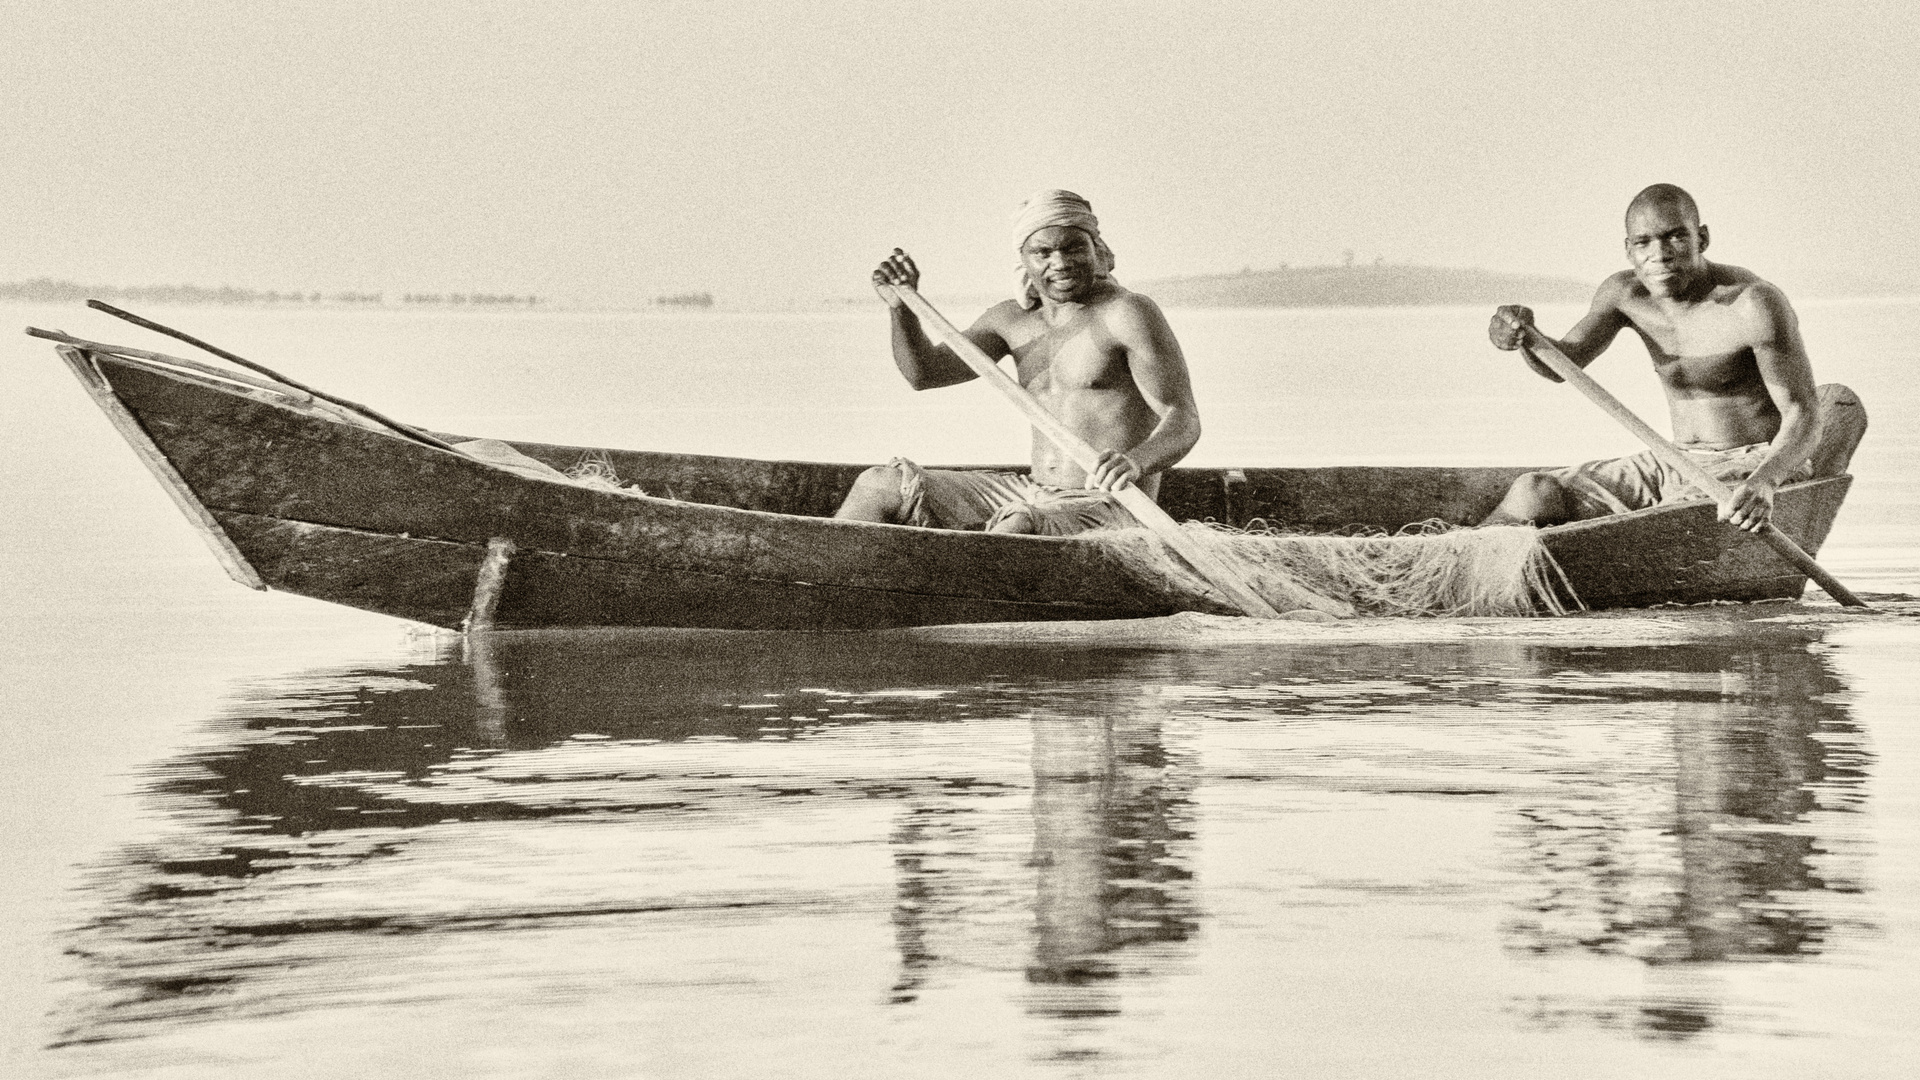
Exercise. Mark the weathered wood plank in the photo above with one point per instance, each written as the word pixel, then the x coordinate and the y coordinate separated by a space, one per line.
pixel 804 488
pixel 83 366
pixel 1683 554
pixel 1338 498
pixel 431 581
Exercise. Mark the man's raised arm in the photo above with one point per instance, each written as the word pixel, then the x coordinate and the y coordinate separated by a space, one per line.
pixel 1159 372
pixel 1582 344
pixel 924 364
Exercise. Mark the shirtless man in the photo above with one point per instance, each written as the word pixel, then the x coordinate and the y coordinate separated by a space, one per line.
pixel 1101 359
pixel 1726 346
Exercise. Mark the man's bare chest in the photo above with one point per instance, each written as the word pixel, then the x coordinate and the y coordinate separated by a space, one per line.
pixel 1074 357
pixel 1704 336
pixel 1735 373
pixel 1700 357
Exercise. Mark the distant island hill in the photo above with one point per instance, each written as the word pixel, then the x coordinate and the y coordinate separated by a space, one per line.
pixel 1377 285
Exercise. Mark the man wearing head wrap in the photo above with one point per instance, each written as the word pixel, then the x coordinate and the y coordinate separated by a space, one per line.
pixel 1099 357
pixel 1726 346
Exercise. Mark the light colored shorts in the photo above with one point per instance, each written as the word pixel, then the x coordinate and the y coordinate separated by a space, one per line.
pixel 1617 485
pixel 964 499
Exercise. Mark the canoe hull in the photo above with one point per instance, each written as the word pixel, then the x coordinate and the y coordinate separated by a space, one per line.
pixel 298 501
pixel 432 581
pixel 1685 555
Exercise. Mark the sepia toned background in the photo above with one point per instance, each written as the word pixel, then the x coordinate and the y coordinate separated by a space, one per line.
pixel 1669 844
pixel 605 153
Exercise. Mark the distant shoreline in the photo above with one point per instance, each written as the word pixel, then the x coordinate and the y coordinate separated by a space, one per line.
pixel 1355 286
pixel 51 291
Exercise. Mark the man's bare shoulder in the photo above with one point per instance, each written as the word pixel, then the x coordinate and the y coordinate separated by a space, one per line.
pixel 1759 306
pixel 1004 314
pixel 1729 276
pixel 1126 311
pixel 1619 288
pixel 1734 283
pixel 1010 322
pixel 1740 288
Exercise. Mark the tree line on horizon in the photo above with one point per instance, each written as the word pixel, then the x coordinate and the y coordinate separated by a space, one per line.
pixel 699 299
pixel 50 291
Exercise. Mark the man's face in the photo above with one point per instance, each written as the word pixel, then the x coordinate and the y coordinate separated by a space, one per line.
pixel 1062 262
pixel 1665 243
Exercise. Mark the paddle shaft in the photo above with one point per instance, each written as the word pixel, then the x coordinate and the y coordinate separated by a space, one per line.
pixel 1544 350
pixel 1137 502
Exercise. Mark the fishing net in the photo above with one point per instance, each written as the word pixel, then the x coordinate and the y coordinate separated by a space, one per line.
pixel 1428 569
pixel 595 470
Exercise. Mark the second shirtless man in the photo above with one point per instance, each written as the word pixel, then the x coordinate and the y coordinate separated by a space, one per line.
pixel 1726 346
pixel 1101 359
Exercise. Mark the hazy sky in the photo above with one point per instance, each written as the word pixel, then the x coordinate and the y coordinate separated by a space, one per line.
pixel 606 152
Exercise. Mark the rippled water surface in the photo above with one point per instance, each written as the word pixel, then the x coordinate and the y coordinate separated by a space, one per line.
pixel 257 836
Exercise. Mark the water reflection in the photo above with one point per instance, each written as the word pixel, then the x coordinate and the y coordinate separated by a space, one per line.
pixel 1112 815
pixel 1040 811
pixel 1711 850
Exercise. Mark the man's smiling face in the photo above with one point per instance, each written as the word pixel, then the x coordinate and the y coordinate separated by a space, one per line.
pixel 1665 244
pixel 1062 262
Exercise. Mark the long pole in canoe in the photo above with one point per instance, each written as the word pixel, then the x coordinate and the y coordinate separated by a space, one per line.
pixel 391 424
pixel 1549 354
pixel 1211 567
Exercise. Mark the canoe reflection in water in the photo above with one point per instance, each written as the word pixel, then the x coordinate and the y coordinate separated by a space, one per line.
pixel 1041 817
pixel 1110 816
pixel 1732 845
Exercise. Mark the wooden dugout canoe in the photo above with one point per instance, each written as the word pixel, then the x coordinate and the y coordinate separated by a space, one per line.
pixel 304 499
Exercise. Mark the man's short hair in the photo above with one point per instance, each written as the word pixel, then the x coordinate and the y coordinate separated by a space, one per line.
pixel 1664 195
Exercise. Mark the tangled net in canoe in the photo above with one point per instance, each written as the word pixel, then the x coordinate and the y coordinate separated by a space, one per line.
pixel 595 470
pixel 1431 569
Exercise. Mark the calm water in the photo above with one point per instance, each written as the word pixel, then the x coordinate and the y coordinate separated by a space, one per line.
pixel 253 835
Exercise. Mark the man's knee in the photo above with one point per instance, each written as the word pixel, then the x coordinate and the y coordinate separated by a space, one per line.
pixel 1535 497
pixel 875 496
pixel 881 477
pixel 1014 519
pixel 1843 422
pixel 1537 487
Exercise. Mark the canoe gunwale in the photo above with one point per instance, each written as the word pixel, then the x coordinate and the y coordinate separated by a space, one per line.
pixel 1613 522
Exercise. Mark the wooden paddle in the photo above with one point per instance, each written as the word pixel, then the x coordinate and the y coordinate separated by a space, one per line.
pixel 1211 567
pixel 1549 354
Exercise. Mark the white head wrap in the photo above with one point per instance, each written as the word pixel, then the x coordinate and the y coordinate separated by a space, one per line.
pixel 1045 209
